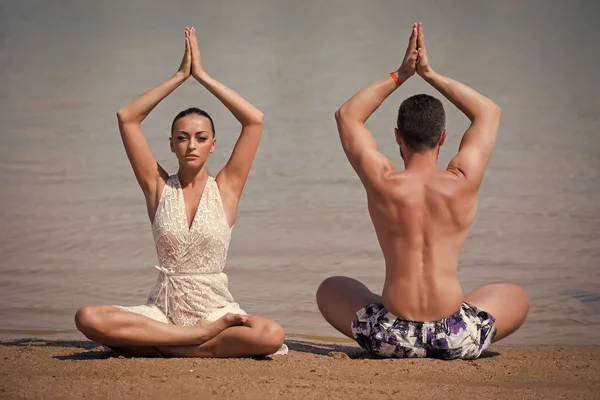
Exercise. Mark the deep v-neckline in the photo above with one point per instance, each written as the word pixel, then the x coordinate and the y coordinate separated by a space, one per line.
pixel 191 225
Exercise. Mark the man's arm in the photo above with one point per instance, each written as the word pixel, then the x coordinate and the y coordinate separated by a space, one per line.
pixel 358 143
pixel 478 141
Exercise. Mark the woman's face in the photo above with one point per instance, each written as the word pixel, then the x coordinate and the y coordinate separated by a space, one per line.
pixel 192 140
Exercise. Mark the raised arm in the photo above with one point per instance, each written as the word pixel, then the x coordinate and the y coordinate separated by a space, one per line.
pixel 147 171
pixel 358 143
pixel 478 141
pixel 232 178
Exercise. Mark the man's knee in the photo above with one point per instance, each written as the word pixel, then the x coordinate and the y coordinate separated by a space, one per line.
pixel 518 294
pixel 518 291
pixel 327 287
pixel 515 293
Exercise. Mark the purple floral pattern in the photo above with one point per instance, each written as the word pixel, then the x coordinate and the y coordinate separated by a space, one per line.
pixel 464 335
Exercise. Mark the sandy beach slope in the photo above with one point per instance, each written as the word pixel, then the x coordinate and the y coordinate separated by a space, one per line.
pixel 55 369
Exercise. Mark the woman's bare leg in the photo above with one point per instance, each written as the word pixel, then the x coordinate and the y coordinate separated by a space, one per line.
pixel 115 327
pixel 258 337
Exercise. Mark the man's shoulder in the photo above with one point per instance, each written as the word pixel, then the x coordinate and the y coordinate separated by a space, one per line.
pixel 402 183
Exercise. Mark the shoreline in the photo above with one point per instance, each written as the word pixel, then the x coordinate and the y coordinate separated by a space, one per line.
pixel 69 369
pixel 74 335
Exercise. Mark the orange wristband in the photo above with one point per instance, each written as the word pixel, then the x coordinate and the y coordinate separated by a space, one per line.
pixel 396 78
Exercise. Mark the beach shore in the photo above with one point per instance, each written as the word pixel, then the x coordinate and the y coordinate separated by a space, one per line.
pixel 69 369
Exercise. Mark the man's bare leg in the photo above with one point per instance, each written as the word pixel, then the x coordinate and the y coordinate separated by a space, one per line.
pixel 258 337
pixel 117 328
pixel 506 302
pixel 339 298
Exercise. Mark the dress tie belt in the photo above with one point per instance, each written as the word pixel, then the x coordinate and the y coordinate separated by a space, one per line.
pixel 167 282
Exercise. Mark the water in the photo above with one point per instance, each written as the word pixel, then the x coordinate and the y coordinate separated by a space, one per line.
pixel 74 229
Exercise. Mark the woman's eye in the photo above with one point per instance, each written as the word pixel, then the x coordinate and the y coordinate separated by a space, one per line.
pixel 181 138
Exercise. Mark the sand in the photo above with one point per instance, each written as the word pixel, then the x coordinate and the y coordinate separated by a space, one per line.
pixel 55 369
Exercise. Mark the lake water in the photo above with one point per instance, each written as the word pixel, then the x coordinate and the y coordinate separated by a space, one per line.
pixel 73 223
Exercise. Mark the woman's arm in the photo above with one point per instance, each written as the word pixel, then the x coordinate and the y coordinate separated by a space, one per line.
pixel 232 178
pixel 147 171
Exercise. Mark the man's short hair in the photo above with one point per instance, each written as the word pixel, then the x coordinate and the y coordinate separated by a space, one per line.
pixel 421 121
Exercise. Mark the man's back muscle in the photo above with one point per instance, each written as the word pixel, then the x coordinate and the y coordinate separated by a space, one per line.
pixel 422 219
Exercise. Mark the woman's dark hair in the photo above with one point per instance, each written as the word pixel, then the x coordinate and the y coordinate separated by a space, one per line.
pixel 196 111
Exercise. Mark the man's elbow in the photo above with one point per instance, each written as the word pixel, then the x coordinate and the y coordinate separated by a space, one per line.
pixel 338 114
pixel 121 116
pixel 342 114
pixel 488 111
pixel 496 110
pixel 124 117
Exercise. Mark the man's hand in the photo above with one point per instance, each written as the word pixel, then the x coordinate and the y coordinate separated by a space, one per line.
pixel 197 68
pixel 408 67
pixel 423 67
pixel 185 69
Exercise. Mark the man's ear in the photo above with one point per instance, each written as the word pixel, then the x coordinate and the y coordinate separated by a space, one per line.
pixel 443 137
pixel 398 137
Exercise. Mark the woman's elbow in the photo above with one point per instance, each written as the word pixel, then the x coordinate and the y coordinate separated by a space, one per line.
pixel 259 118
pixel 256 119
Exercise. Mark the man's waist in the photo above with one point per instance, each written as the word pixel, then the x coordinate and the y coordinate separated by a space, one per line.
pixel 423 299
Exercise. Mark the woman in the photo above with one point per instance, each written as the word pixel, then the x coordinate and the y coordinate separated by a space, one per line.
pixel 190 312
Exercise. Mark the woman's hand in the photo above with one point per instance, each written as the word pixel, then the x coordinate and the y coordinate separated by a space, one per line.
pixel 197 68
pixel 185 69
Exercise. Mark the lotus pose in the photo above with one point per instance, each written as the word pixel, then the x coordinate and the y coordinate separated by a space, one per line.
pixel 190 312
pixel 421 216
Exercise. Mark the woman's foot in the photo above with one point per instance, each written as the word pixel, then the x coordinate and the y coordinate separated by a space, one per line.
pixel 208 330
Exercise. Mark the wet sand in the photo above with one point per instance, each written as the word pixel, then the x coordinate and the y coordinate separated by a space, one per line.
pixel 55 369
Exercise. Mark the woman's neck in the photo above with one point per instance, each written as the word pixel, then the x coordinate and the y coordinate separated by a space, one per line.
pixel 192 177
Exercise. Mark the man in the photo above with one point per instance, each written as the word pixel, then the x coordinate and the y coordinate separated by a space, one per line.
pixel 421 216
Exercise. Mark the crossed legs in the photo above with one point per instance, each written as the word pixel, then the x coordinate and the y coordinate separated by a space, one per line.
pixel 230 336
pixel 340 297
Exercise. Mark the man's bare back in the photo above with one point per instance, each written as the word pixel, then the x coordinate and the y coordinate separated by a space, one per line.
pixel 421 216
pixel 421 221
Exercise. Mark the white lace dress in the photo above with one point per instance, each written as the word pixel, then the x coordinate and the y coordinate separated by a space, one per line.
pixel 191 285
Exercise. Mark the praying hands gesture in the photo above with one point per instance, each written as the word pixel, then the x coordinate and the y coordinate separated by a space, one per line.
pixel 196 59
pixel 415 58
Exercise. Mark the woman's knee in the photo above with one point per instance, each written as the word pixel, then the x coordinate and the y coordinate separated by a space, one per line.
pixel 272 335
pixel 90 320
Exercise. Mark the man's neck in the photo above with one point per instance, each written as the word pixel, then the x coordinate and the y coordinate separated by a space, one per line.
pixel 420 161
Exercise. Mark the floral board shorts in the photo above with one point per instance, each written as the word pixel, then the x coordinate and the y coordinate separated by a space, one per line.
pixel 464 335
